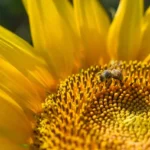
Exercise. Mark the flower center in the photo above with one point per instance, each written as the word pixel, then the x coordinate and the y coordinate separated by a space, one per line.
pixel 94 110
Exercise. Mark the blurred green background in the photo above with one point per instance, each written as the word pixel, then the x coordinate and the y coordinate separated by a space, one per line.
pixel 14 17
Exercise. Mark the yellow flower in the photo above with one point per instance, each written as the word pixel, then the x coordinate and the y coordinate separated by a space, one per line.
pixel 40 109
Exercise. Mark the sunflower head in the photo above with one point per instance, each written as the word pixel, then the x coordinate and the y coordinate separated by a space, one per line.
pixel 87 113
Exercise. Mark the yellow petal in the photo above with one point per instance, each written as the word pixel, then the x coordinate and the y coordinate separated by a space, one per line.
pixel 92 23
pixel 145 44
pixel 6 144
pixel 19 87
pixel 147 59
pixel 42 76
pixel 54 39
pixel 36 24
pixel 20 54
pixel 14 125
pixel 125 32
pixel 65 9
pixel 17 51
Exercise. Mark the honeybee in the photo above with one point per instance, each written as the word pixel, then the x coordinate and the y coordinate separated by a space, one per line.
pixel 113 72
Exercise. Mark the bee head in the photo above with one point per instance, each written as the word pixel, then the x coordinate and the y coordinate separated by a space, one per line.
pixel 105 75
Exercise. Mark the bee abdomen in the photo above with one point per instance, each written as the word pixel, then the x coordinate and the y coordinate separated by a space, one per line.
pixel 117 74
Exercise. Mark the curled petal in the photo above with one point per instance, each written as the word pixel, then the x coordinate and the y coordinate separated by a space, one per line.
pixel 92 24
pixel 125 32
pixel 65 9
pixel 145 43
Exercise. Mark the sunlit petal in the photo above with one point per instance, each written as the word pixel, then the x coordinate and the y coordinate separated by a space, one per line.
pixel 93 23
pixel 17 51
pixel 20 54
pixel 13 122
pixel 19 87
pixel 125 32
pixel 145 44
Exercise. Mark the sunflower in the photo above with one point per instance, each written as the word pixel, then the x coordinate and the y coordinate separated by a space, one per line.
pixel 85 82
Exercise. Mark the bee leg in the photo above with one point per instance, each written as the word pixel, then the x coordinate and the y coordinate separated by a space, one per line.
pixel 121 83
pixel 108 83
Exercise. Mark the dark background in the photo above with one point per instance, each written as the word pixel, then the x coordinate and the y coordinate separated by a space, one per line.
pixel 14 17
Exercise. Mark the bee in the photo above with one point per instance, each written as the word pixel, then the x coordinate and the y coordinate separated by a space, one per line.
pixel 117 74
pixel 113 72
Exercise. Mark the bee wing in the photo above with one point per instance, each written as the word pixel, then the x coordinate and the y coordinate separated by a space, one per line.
pixel 114 64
